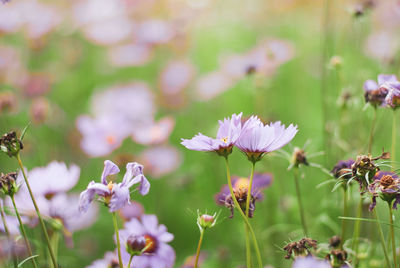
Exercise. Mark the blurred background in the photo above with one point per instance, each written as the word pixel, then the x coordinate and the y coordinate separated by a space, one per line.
pixel 125 80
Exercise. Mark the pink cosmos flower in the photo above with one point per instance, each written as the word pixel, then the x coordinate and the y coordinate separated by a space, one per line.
pixel 257 139
pixel 228 134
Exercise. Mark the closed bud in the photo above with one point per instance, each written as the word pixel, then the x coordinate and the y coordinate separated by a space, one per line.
pixel 299 157
pixel 136 245
pixel 205 221
pixel 8 184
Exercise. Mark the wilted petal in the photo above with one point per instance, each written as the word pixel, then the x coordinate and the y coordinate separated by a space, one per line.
pixel 109 169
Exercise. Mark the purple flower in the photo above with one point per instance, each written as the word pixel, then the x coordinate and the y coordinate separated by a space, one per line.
pixel 310 262
pixel 161 160
pixel 55 178
pixel 343 169
pixel 375 93
pixel 257 139
pixel 158 253
pixel 132 210
pixel 228 133
pixel 115 195
pixel 386 185
pixel 110 259
pixel 240 188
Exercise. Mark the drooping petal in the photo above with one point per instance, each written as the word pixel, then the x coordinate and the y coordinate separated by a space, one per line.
pixel 109 169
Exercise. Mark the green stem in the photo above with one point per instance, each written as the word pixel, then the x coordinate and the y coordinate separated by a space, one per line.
pixel 357 229
pixel 130 261
pixel 21 225
pixel 53 258
pixel 248 247
pixel 343 236
pixel 3 218
pixel 198 248
pixel 392 234
pixel 54 242
pixel 299 200
pixel 121 265
pixel 253 236
pixel 382 239
pixel 371 134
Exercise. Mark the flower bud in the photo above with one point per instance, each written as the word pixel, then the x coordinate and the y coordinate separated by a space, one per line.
pixel 8 184
pixel 10 144
pixel 136 245
pixel 205 221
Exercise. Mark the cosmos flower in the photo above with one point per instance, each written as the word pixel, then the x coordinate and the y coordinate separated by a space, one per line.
pixel 175 77
pixel 257 139
pixel 158 254
pixel 52 179
pixel 228 133
pixel 161 160
pixel 212 84
pixel 110 259
pixel 310 262
pixel 240 189
pixel 131 210
pixel 102 135
pixel 154 132
pixel 115 195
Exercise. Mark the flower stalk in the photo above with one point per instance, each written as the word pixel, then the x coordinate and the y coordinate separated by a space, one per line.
pixel 299 200
pixel 52 256
pixel 3 218
pixel 22 228
pixel 392 234
pixel 114 215
pixel 198 248
pixel 255 244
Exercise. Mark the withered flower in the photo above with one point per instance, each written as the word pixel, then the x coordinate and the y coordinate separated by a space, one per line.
pixel 301 248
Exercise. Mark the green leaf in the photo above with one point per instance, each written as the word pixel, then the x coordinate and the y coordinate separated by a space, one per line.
pixel 24 131
pixel 27 259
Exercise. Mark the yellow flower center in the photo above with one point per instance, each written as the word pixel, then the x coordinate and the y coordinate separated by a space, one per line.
pixel 151 245
pixel 110 139
pixel 241 184
pixel 110 185
pixel 225 140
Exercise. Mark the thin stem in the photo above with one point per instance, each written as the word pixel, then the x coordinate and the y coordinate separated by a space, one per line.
pixel 248 250
pixel 357 228
pixel 248 247
pixel 381 237
pixel 130 261
pixel 198 248
pixel 299 200
pixel 393 151
pixel 54 242
pixel 344 224
pixel 249 189
pixel 392 234
pixel 253 236
pixel 3 218
pixel 371 134
pixel 21 225
pixel 53 258
pixel 121 265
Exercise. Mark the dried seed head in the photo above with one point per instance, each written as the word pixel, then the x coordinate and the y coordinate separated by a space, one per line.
pixel 10 144
pixel 8 183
